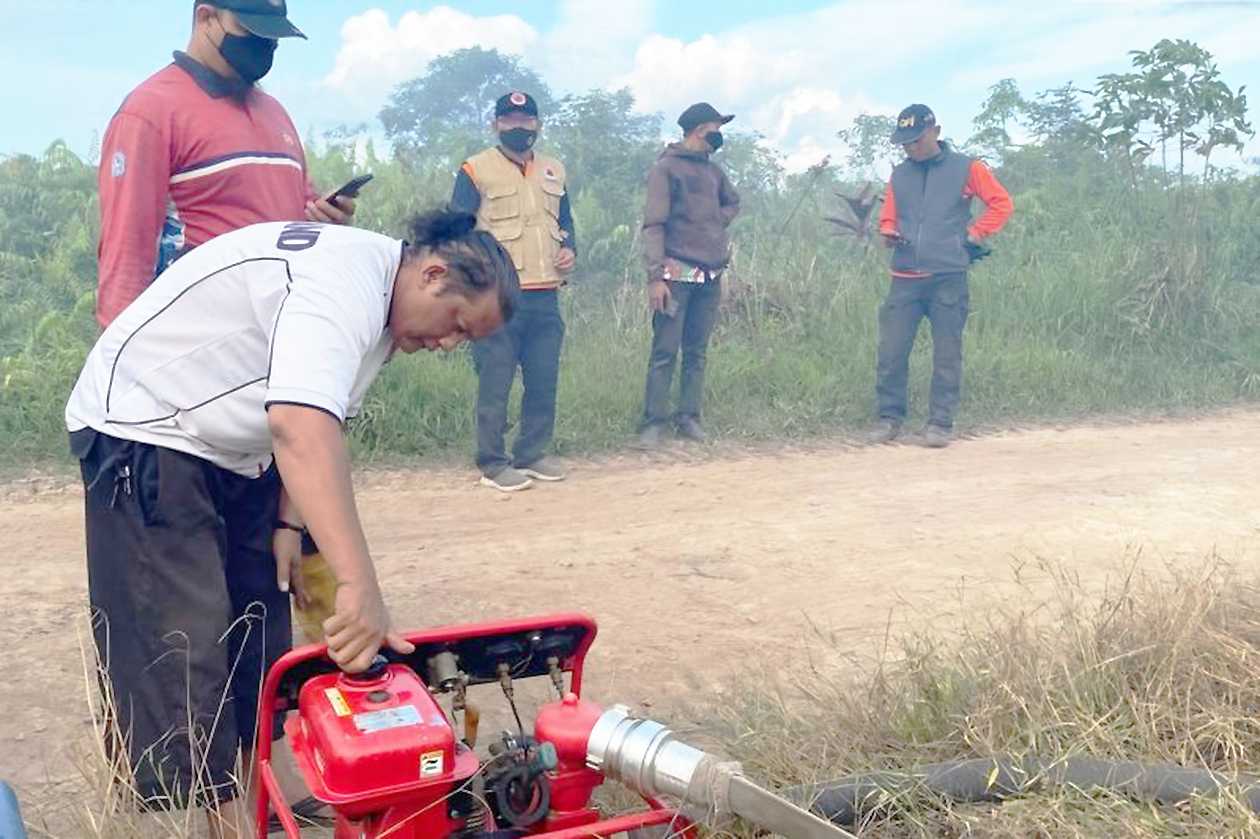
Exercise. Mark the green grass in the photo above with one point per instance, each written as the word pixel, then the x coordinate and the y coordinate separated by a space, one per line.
pixel 1099 300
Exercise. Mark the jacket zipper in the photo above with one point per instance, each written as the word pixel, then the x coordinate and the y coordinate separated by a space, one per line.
pixel 918 232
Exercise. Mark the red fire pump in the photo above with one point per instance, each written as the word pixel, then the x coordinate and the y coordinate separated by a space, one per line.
pixel 380 749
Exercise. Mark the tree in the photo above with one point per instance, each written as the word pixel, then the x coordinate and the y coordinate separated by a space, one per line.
pixel 607 149
pixel 1177 90
pixel 454 101
pixel 1000 111
pixel 599 136
pixel 869 144
pixel 1057 117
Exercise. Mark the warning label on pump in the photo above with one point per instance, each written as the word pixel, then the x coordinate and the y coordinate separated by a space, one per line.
pixel 430 764
pixel 337 701
pixel 384 720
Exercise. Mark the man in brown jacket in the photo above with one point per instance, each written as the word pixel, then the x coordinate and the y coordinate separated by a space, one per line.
pixel 690 204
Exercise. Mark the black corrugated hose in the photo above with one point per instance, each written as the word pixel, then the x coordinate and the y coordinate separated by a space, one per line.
pixel 846 800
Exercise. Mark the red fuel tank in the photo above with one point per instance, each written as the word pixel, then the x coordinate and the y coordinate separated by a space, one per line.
pixel 369 742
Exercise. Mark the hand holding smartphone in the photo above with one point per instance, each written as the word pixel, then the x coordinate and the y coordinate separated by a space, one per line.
pixel 350 189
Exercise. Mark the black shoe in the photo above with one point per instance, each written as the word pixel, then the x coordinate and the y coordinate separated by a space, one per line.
pixel 651 437
pixel 885 431
pixel 937 436
pixel 689 428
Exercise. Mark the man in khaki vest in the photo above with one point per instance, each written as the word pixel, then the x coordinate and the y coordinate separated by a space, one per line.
pixel 520 198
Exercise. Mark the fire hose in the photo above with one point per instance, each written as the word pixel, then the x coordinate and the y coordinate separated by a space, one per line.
pixel 847 800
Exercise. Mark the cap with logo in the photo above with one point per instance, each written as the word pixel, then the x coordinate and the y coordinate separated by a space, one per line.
pixel 516 102
pixel 264 18
pixel 911 123
pixel 699 114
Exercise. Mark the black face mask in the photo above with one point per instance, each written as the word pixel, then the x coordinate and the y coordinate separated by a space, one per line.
pixel 249 55
pixel 714 139
pixel 519 140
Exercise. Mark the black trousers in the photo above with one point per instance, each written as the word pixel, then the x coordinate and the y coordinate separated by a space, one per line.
pixel 688 329
pixel 944 300
pixel 187 615
pixel 532 341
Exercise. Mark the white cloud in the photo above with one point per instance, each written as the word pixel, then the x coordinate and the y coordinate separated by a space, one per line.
pixel 592 42
pixel 796 78
pixel 376 54
pixel 1067 43
pixel 799 78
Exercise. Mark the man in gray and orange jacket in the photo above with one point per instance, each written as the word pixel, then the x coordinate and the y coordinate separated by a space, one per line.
pixel 926 221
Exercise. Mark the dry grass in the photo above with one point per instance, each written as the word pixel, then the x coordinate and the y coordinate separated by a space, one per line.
pixel 1163 670
pixel 98 802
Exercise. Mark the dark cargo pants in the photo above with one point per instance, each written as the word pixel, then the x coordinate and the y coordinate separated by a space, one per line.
pixel 532 340
pixel 688 328
pixel 943 299
pixel 187 615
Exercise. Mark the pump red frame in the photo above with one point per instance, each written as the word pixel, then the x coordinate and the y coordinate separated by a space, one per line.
pixel 268 795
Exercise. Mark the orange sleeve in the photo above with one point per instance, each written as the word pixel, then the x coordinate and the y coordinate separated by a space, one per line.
pixel 468 170
pixel 983 185
pixel 888 213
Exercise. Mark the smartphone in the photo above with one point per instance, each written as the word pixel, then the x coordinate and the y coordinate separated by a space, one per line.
pixel 351 188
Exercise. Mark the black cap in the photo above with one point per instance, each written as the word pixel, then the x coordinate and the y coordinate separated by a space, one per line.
pixel 516 102
pixel 264 18
pixel 699 114
pixel 911 123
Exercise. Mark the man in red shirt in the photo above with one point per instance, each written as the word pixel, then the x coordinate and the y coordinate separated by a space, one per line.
pixel 927 222
pixel 198 150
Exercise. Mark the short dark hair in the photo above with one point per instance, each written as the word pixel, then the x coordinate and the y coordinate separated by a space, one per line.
pixel 475 259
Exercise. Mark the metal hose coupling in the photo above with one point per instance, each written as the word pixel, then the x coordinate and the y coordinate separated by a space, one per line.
pixel 645 756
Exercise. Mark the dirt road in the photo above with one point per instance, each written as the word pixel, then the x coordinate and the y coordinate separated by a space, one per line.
pixel 691 565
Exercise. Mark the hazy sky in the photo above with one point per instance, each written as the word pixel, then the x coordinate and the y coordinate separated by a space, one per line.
pixel 794 70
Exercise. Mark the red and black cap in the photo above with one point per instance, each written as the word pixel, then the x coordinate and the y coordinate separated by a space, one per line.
pixel 699 114
pixel 516 102
pixel 264 18
pixel 911 123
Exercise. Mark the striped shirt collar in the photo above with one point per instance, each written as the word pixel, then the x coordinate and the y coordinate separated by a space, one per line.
pixel 214 85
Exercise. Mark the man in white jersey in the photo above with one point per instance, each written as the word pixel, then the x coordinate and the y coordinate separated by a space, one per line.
pixel 208 415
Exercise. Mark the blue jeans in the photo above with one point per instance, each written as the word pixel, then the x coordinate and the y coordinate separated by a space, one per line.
pixel 943 299
pixel 532 341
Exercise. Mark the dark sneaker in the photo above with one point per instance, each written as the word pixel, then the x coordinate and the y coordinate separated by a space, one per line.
pixel 937 437
pixel 544 469
pixel 651 437
pixel 509 480
pixel 885 431
pixel 689 428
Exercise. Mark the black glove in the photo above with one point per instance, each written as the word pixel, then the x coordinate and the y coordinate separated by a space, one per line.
pixel 976 251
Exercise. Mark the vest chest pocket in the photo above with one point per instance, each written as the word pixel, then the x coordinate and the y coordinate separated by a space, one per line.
pixel 553 193
pixel 502 202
